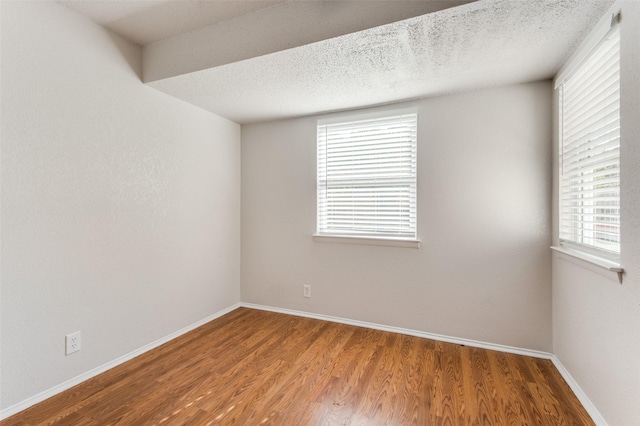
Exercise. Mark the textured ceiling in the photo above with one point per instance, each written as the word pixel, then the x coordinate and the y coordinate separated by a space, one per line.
pixel 269 30
pixel 480 44
pixel 148 21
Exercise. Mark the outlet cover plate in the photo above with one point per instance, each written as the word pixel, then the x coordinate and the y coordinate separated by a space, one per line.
pixel 72 343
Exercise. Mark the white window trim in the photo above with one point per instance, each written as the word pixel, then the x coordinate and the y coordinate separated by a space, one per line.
pixel 611 18
pixel 368 241
pixel 591 259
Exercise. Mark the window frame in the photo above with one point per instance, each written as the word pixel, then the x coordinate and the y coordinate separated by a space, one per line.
pixel 326 234
pixel 589 193
pixel 592 255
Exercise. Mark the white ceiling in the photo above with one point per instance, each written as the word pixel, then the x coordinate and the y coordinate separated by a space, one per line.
pixel 480 44
pixel 148 21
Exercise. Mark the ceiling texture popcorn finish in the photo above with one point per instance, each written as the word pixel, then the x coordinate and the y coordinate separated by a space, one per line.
pixel 259 61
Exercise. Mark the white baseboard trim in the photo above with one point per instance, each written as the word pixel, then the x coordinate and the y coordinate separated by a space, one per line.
pixel 432 336
pixel 577 390
pixel 20 406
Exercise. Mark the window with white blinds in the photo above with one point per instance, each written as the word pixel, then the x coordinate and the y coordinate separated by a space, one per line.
pixel 367 177
pixel 590 150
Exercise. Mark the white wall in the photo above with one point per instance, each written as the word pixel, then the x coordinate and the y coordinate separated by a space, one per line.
pixel 596 320
pixel 120 205
pixel 484 217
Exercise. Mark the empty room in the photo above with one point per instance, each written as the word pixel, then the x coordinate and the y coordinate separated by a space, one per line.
pixel 306 212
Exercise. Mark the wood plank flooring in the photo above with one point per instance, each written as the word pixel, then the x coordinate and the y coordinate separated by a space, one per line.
pixel 252 367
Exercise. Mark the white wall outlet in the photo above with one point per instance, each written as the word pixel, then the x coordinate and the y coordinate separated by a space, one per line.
pixel 306 290
pixel 72 343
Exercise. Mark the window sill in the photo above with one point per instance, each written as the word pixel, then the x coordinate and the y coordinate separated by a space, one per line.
pixel 370 241
pixel 592 259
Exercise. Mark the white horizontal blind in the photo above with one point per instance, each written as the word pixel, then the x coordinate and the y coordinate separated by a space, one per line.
pixel 590 126
pixel 367 177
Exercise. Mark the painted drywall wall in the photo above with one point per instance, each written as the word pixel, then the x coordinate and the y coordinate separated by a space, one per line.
pixel 483 271
pixel 596 320
pixel 120 204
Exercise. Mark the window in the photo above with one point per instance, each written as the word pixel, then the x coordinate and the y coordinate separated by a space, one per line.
pixel 590 151
pixel 367 177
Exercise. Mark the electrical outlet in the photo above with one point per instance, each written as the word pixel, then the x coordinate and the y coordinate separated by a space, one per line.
pixel 306 290
pixel 72 343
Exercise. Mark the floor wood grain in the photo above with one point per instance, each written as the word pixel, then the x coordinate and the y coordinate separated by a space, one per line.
pixel 252 367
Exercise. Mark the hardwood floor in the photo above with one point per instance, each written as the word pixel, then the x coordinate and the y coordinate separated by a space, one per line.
pixel 252 367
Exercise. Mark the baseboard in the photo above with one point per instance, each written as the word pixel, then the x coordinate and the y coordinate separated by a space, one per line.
pixel 433 336
pixel 20 406
pixel 577 390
